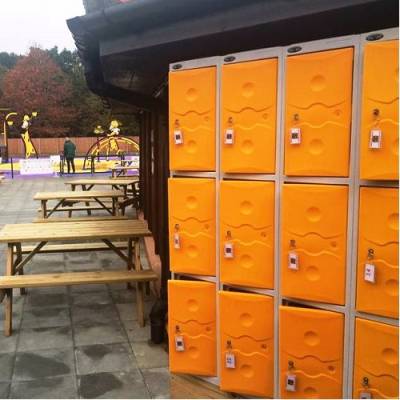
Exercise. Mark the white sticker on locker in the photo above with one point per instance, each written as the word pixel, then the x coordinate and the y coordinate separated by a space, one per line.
pixel 179 343
pixel 291 383
pixel 177 241
pixel 178 136
pixel 375 139
pixel 229 136
pixel 228 250
pixel 369 273
pixel 293 261
pixel 365 395
pixel 295 136
pixel 230 361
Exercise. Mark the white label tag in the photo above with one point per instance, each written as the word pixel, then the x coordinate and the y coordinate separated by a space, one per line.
pixel 375 139
pixel 177 241
pixel 178 136
pixel 179 343
pixel 291 383
pixel 228 250
pixel 229 136
pixel 295 135
pixel 369 273
pixel 365 395
pixel 293 261
pixel 230 360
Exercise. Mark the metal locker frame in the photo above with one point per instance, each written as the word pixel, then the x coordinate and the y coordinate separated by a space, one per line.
pixel 387 34
pixel 352 181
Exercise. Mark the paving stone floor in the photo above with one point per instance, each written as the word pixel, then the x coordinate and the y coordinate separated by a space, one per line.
pixel 79 341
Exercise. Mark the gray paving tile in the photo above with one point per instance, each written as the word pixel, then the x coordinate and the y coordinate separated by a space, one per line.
pixel 45 338
pixel 148 356
pixel 94 313
pixel 33 365
pixel 104 358
pixel 87 288
pixel 88 333
pixel 124 296
pixel 135 332
pixel 158 382
pixel 6 366
pixel 46 317
pixel 4 390
pixel 8 344
pixel 52 388
pixel 46 300
pixel 108 385
pixel 128 311
pixel 91 298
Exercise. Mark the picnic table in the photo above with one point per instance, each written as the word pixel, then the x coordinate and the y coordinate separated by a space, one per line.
pixel 88 233
pixel 116 183
pixel 119 170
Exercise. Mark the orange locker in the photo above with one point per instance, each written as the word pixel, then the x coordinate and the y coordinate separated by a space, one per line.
pixel 192 118
pixel 310 353
pixel 191 327
pixel 313 242
pixel 318 113
pixel 248 116
pixel 380 112
pixel 192 225
pixel 378 248
pixel 376 360
pixel 247 233
pixel 247 343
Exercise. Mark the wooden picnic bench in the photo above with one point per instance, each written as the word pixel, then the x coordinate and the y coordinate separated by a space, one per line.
pixel 115 235
pixel 122 170
pixel 70 197
pixel 117 183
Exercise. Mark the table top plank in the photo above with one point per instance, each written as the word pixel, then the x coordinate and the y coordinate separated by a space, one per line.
pixel 89 194
pixel 72 231
pixel 123 168
pixel 115 181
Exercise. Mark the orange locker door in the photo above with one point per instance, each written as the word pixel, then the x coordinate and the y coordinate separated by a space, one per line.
pixel 192 104
pixel 376 360
pixel 378 248
pixel 310 353
pixel 380 112
pixel 247 352
pixel 191 327
pixel 247 233
pixel 192 225
pixel 248 116
pixel 313 242
pixel 318 113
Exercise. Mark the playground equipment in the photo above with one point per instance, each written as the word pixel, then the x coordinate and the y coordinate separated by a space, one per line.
pixel 108 144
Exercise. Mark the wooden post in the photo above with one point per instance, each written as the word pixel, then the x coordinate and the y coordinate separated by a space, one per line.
pixel 9 292
pixel 130 262
pixel 17 261
pixel 44 209
pixel 139 287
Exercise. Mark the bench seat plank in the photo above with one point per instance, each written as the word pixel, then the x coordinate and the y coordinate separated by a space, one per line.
pixel 79 219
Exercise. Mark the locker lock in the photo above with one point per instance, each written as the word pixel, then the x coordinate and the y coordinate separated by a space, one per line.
pixel 177 329
pixel 296 117
pixel 290 365
pixel 365 382
pixel 228 235
pixel 178 134
pixel 176 227
pixel 292 244
pixel 177 123
pixel 376 112
pixel 229 136
pixel 229 345
pixel 177 239
pixel 228 245
pixel 370 254
pixel 230 121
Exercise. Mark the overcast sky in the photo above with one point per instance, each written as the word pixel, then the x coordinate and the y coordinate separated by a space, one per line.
pixel 24 23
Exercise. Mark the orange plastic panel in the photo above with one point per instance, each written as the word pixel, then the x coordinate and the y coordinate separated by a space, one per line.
pixel 247 222
pixel 249 97
pixel 191 313
pixel 378 245
pixel 192 103
pixel 380 110
pixel 376 359
pixel 318 101
pixel 314 228
pixel 192 218
pixel 311 348
pixel 247 332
